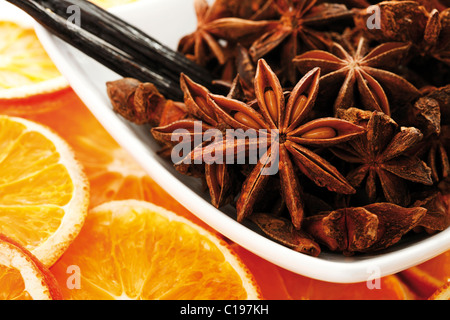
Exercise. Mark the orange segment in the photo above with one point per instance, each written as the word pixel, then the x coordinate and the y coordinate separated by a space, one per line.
pixel 44 193
pixel 22 276
pixel 135 250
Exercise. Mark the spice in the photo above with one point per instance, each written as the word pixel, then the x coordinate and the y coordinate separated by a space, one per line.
pixel 362 71
pixel 202 45
pixel 380 155
pixel 288 140
pixel 295 31
pixel 282 231
pixel 202 112
pixel 363 229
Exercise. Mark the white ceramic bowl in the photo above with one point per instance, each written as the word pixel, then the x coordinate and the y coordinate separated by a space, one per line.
pixel 168 21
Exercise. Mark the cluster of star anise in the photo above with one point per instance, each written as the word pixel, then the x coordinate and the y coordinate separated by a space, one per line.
pixel 353 99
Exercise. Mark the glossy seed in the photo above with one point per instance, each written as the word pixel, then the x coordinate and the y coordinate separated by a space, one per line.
pixel 246 120
pixel 320 133
pixel 271 103
pixel 201 102
pixel 298 107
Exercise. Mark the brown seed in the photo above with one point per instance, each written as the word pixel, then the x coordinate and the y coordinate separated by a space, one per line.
pixel 201 102
pixel 271 103
pixel 320 133
pixel 246 120
pixel 298 107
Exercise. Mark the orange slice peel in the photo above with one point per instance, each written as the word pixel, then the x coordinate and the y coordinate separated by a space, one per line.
pixel 22 276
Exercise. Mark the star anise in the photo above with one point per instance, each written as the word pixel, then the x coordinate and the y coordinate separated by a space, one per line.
pixel 250 9
pixel 431 115
pixel 282 230
pixel 382 154
pixel 213 24
pixel 442 96
pixel 361 74
pixel 436 39
pixel 425 114
pixel 426 27
pixel 287 134
pixel 363 229
pixel 202 116
pixel 440 5
pixel 141 103
pixel 295 31
pixel 438 213
pixel 399 21
pixel 438 157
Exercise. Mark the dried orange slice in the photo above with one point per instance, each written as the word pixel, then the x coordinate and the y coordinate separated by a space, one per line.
pixel 44 194
pixel 27 74
pixel 22 276
pixel 442 293
pixel 286 285
pixel 133 249
pixel 113 174
pixel 428 277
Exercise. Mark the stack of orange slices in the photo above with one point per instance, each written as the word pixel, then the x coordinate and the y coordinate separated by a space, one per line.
pixel 60 172
pixel 79 219
pixel 44 200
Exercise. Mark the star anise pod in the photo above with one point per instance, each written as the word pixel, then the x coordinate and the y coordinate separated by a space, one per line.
pixel 438 213
pixel 426 27
pixel 213 24
pixel 202 115
pixel 442 96
pixel 282 231
pixel 440 5
pixel 141 103
pixel 436 39
pixel 363 229
pixel 382 154
pixel 438 157
pixel 250 9
pixel 425 114
pixel 296 31
pixel 287 133
pixel 399 21
pixel 361 74
pixel 430 114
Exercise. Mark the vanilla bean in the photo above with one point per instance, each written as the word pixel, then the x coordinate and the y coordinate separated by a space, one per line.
pixel 116 44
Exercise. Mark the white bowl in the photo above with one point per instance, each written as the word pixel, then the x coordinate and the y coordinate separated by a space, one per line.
pixel 168 21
